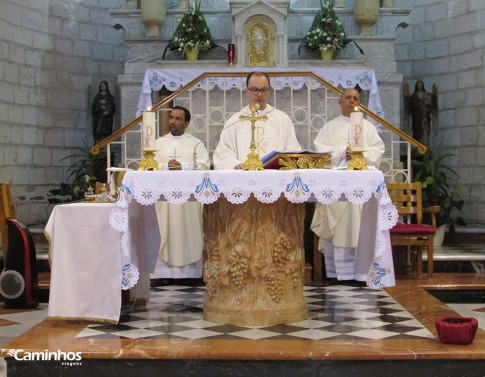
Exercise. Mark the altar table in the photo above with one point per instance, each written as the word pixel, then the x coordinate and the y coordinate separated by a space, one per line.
pixel 140 190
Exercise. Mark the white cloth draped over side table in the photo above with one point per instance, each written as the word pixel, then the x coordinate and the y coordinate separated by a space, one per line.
pixel 85 263
pixel 134 211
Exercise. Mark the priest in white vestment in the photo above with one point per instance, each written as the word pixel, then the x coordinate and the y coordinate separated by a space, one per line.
pixel 180 225
pixel 338 224
pixel 277 133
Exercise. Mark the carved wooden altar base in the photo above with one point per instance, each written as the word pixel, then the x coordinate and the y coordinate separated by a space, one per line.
pixel 254 262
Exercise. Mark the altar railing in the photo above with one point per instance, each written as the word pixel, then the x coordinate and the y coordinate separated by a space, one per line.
pixel 212 97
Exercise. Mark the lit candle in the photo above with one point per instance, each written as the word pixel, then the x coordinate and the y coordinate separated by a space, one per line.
pixel 357 130
pixel 148 130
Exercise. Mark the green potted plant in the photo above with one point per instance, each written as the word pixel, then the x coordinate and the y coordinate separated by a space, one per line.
pixel 435 174
pixel 86 168
pixel 192 33
pixel 327 33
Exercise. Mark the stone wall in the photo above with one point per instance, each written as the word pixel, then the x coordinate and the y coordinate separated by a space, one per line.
pixel 445 44
pixel 53 54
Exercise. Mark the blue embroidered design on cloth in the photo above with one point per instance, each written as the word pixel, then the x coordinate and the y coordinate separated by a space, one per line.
pixel 207 188
pixel 381 187
pixel 124 193
pixel 379 273
pixel 125 278
pixel 296 186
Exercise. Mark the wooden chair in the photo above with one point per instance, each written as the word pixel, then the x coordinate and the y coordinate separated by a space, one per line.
pixel 410 231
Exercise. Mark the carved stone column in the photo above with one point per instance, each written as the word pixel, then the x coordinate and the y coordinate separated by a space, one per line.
pixel 240 57
pixel 281 50
pixel 254 262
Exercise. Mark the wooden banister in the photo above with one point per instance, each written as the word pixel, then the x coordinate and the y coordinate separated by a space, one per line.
pixel 103 143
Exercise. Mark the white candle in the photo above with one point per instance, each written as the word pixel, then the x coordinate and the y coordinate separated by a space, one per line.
pixel 148 130
pixel 357 130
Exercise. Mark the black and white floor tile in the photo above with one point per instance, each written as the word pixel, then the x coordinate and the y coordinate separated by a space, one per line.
pixel 336 312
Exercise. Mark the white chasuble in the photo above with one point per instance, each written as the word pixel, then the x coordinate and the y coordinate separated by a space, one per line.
pixel 181 225
pixel 277 133
pixel 339 223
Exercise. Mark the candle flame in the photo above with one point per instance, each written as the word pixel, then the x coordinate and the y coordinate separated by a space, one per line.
pixel 356 108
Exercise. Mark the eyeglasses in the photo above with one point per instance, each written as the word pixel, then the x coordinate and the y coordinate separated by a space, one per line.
pixel 256 91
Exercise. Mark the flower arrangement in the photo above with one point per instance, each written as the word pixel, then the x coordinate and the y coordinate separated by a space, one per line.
pixel 191 32
pixel 327 32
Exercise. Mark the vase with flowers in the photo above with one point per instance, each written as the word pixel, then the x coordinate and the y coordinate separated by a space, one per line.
pixel 192 35
pixel 327 33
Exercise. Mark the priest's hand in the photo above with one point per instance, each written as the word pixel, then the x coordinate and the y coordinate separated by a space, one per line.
pixel 239 166
pixel 174 165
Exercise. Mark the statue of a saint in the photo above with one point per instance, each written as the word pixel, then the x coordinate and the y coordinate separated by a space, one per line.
pixel 102 110
pixel 422 108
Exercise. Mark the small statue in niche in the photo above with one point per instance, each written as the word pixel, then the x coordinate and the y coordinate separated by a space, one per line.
pixel 102 110
pixel 422 108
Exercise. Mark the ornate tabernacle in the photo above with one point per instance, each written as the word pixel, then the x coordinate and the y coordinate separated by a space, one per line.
pixel 254 262
pixel 287 161
pixel 261 39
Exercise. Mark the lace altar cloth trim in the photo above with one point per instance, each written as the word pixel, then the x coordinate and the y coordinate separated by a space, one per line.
pixel 298 186
pixel 174 79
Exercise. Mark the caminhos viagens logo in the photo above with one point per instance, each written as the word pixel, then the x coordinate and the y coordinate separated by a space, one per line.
pixel 67 358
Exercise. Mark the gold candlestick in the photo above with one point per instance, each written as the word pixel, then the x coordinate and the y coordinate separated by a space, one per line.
pixel 148 162
pixel 253 162
pixel 357 161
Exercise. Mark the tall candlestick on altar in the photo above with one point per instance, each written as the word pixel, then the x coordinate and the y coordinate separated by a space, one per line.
pixel 357 130
pixel 148 130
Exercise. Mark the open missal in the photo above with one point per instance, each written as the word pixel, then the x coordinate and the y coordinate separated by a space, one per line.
pixel 304 159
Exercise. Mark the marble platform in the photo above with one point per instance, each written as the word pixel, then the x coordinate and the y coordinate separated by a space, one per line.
pixel 351 330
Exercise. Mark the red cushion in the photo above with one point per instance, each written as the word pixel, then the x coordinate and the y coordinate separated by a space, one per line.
pixel 412 228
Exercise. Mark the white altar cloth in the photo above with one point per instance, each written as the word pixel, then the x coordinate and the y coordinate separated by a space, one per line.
pixel 134 213
pixel 85 263
pixel 174 79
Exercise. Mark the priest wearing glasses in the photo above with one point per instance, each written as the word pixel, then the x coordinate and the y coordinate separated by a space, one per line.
pixel 275 133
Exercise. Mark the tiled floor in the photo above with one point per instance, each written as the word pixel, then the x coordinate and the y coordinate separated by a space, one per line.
pixel 340 318
pixel 334 312
pixel 16 322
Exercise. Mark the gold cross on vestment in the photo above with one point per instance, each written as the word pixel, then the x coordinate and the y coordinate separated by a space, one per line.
pixel 253 162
